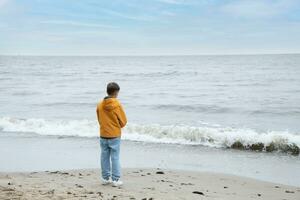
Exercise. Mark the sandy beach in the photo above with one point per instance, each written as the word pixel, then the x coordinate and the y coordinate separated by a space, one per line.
pixel 140 184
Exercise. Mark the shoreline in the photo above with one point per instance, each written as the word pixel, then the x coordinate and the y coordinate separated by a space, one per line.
pixel 28 154
pixel 142 183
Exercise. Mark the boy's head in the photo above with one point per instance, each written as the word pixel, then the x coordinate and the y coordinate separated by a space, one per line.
pixel 113 89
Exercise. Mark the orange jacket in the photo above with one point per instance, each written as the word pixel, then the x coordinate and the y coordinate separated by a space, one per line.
pixel 111 117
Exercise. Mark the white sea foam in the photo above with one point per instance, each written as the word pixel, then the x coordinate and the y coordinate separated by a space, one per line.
pixel 208 136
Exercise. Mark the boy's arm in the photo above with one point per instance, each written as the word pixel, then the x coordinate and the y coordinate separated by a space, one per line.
pixel 97 113
pixel 121 116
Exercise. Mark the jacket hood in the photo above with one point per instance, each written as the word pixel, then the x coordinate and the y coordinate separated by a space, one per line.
pixel 110 104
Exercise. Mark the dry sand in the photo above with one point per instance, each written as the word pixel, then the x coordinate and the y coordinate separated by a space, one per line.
pixel 143 184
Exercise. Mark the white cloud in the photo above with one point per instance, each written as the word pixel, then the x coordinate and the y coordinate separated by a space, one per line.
pixel 3 2
pixel 168 13
pixel 130 17
pixel 177 2
pixel 172 1
pixel 257 8
pixel 74 23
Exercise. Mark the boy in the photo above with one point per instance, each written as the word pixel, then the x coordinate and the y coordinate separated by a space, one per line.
pixel 111 118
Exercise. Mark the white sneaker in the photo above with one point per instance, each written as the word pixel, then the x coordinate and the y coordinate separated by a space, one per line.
pixel 117 183
pixel 106 182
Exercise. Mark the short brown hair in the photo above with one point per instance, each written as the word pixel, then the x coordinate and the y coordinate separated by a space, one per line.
pixel 112 87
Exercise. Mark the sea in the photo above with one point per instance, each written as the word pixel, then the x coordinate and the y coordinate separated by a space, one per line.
pixel 214 102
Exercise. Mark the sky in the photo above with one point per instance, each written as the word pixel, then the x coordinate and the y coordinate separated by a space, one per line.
pixel 149 27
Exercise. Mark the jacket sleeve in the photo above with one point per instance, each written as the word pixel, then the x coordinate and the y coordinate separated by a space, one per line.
pixel 97 113
pixel 121 116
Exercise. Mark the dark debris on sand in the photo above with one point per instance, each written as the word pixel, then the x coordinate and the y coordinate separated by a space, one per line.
pixel 197 192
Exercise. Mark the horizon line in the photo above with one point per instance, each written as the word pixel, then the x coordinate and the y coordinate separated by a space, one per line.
pixel 148 55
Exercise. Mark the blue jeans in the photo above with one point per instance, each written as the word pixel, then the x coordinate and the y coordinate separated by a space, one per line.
pixel 110 151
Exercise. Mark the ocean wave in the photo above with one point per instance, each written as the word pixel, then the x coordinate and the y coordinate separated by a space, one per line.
pixel 220 137
pixel 150 74
pixel 25 93
pixel 71 104
pixel 193 108
pixel 277 111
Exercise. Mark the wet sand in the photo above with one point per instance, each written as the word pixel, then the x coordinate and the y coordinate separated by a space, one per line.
pixel 28 154
pixel 143 184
